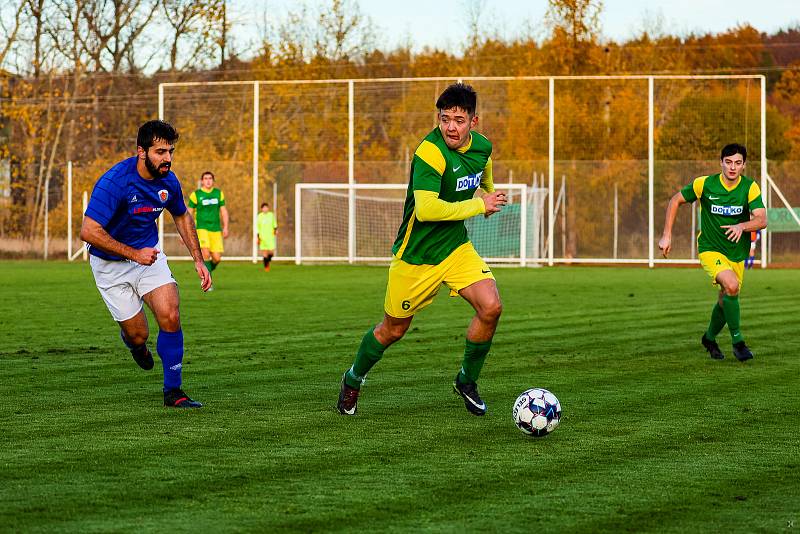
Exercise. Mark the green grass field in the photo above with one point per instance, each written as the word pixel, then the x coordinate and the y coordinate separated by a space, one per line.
pixel 655 436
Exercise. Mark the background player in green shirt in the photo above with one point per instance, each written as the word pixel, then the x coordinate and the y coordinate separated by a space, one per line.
pixel 432 247
pixel 266 228
pixel 728 200
pixel 211 216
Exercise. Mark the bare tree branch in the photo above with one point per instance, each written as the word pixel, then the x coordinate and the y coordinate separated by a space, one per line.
pixel 195 31
pixel 114 26
pixel 11 34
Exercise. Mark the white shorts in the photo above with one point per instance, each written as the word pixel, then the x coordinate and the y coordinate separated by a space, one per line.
pixel 122 284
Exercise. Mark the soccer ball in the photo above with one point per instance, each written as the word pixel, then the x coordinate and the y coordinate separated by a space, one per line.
pixel 537 412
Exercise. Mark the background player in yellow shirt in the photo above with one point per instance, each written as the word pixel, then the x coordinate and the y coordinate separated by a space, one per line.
pixel 267 228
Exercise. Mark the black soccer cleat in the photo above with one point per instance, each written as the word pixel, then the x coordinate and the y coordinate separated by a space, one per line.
pixel 143 357
pixel 712 348
pixel 472 400
pixel 348 399
pixel 176 398
pixel 141 354
pixel 742 352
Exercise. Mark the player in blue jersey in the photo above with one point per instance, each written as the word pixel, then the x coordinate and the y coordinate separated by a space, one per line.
pixel 120 229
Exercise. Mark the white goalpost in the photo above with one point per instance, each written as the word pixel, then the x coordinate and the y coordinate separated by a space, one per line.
pixel 357 223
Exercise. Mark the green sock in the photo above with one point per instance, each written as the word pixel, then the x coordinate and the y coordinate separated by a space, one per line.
pixel 369 352
pixel 210 265
pixel 717 322
pixel 731 307
pixel 474 356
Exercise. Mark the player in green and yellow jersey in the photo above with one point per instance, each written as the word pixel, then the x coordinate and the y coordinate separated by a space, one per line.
pixel 432 247
pixel 211 218
pixel 730 208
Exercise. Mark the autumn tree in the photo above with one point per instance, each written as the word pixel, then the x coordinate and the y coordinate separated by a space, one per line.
pixel 787 97
pixel 342 32
pixel 572 49
pixel 575 26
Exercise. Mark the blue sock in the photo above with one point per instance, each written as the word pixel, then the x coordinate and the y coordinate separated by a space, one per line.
pixel 170 350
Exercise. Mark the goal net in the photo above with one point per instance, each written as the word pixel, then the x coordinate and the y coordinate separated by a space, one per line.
pixel 359 222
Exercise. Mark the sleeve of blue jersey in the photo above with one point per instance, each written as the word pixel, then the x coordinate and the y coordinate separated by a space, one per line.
pixel 106 196
pixel 176 205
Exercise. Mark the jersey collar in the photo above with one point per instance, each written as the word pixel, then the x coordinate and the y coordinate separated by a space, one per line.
pixel 724 182
pixel 466 147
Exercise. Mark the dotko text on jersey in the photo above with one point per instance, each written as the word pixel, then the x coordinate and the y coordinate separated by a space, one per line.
pixel 472 181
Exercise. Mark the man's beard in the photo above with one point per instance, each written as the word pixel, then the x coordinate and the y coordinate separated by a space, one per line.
pixel 153 170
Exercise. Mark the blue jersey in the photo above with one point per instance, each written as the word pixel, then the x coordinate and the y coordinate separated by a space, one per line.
pixel 127 206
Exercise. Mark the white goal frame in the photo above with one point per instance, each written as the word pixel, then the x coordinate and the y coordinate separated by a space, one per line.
pixel 520 190
pixel 651 260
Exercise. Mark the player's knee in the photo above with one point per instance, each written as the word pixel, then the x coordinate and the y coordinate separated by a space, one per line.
pixel 732 288
pixel 136 338
pixel 396 332
pixel 388 333
pixel 491 312
pixel 171 320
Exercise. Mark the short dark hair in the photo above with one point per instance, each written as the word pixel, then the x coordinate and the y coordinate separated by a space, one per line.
pixel 265 204
pixel 733 148
pixel 458 95
pixel 156 129
pixel 209 173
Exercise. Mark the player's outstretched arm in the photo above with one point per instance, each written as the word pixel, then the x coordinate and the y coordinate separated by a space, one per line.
pixel 185 225
pixel 94 234
pixel 429 207
pixel 665 243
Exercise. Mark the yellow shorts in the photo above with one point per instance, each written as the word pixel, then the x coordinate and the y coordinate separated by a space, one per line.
pixel 714 263
pixel 210 240
pixel 412 287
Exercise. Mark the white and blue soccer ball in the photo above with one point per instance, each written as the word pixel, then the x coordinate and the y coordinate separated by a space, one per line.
pixel 537 412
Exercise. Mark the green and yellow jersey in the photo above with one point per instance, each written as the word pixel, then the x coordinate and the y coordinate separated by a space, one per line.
pixel 207 205
pixel 453 175
pixel 720 206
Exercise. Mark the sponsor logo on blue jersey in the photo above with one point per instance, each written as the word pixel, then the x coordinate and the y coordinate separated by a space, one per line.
pixel 471 181
pixel 146 209
pixel 726 210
